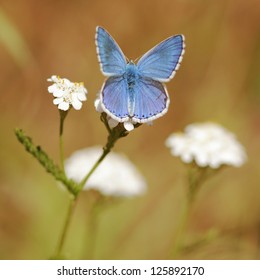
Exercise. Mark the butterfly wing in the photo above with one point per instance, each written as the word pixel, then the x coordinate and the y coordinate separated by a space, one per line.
pixel 162 61
pixel 114 98
pixel 151 100
pixel 111 58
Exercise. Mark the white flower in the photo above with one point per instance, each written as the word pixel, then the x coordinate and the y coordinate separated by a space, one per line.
pixel 115 176
pixel 208 144
pixel 67 93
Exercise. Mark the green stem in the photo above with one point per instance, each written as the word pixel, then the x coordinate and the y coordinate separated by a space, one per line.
pixel 92 228
pixel 184 218
pixel 196 177
pixel 114 135
pixel 58 254
pixel 63 115
pixel 94 167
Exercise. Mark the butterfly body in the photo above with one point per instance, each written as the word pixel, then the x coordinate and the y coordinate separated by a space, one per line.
pixel 131 75
pixel 135 92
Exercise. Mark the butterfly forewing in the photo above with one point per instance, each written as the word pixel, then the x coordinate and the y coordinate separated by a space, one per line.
pixel 111 58
pixel 162 61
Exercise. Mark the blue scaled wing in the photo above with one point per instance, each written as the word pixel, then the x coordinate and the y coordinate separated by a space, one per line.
pixel 151 100
pixel 111 58
pixel 162 61
pixel 114 98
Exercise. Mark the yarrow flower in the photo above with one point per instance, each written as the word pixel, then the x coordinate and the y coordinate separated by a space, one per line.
pixel 67 93
pixel 115 176
pixel 128 125
pixel 208 144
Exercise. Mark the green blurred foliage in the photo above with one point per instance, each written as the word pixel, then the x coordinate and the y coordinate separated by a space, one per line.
pixel 217 81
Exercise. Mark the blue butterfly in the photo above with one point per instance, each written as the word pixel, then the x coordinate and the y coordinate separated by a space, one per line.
pixel 135 92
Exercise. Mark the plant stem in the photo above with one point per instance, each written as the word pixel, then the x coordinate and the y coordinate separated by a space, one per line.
pixel 72 203
pixel 92 228
pixel 184 218
pixel 63 115
pixel 94 167
pixel 113 136
pixel 196 177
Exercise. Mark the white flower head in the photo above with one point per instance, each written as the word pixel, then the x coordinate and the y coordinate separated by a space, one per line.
pixel 208 144
pixel 115 176
pixel 67 93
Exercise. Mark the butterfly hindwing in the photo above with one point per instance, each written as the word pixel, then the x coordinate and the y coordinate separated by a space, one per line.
pixel 114 98
pixel 151 100
pixel 111 58
pixel 162 61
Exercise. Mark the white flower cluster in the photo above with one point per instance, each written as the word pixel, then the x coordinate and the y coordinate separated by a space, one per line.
pixel 67 93
pixel 115 176
pixel 208 144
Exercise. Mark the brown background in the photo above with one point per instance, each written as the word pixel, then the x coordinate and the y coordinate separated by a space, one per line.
pixel 218 81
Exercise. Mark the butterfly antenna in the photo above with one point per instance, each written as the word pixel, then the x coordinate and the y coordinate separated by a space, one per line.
pixel 137 59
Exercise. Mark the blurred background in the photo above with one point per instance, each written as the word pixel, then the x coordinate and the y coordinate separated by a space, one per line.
pixel 219 80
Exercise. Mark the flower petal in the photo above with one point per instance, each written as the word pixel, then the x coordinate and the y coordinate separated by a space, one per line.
pixel 76 104
pixel 64 106
pixel 128 126
pixel 82 96
pixel 112 123
pixel 57 101
pixel 98 106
